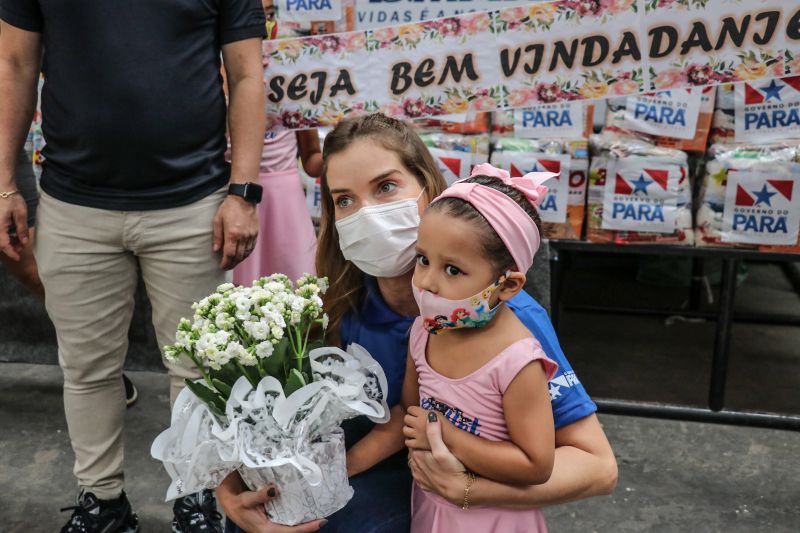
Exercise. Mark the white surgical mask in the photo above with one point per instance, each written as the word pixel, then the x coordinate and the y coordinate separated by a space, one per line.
pixel 380 239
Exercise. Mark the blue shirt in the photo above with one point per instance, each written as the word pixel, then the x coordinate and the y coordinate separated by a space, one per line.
pixel 384 334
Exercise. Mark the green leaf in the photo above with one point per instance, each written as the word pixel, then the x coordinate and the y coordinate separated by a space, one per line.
pixel 207 395
pixel 223 388
pixel 274 364
pixel 294 381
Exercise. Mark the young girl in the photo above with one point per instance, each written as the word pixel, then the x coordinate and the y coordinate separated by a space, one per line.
pixel 472 363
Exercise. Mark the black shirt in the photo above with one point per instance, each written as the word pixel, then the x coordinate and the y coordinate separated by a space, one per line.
pixel 132 104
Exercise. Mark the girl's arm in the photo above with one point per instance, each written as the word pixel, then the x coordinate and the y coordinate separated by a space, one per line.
pixel 310 152
pixel 584 466
pixel 527 459
pixel 385 439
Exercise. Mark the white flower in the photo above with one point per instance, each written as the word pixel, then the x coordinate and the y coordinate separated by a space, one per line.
pixel 183 339
pixel 323 285
pixel 277 331
pixel 243 302
pixel 258 330
pixel 171 354
pixel 264 350
pixel 221 338
pixel 224 321
pixel 325 321
pixel 224 288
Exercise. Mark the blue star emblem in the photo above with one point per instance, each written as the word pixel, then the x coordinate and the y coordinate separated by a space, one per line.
pixel 772 90
pixel 764 196
pixel 640 185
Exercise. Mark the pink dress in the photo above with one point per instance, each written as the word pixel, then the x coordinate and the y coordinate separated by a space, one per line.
pixel 473 403
pixel 286 239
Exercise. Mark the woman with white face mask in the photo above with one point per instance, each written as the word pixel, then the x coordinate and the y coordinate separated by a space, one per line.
pixel 378 177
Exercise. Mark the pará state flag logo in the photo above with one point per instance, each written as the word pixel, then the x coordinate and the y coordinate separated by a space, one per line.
pixel 672 113
pixel 767 110
pixel 453 164
pixel 553 208
pixel 761 208
pixel 640 196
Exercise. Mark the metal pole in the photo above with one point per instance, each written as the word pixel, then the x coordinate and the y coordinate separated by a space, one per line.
pixel 719 363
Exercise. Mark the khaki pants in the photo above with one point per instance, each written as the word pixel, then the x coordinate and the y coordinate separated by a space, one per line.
pixel 88 261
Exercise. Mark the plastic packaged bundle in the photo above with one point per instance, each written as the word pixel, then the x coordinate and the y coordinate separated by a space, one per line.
pixel 638 194
pixel 642 121
pixel 564 207
pixel 723 121
pixel 456 154
pixel 749 197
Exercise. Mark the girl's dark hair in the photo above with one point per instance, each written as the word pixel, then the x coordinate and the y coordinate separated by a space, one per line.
pixel 493 247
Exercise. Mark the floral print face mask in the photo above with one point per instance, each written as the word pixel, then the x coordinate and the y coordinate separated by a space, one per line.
pixel 440 313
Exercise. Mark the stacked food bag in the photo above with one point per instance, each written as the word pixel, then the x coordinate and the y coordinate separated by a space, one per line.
pixel 638 193
pixel 749 191
pixel 563 209
pixel 679 119
pixel 456 153
pixel 749 197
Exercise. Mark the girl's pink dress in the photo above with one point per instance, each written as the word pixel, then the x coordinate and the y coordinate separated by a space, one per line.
pixel 286 239
pixel 473 403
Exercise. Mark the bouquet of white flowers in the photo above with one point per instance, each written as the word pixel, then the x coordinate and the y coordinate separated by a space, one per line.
pixel 271 398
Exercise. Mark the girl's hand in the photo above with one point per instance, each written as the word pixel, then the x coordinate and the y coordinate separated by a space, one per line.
pixel 438 470
pixel 415 428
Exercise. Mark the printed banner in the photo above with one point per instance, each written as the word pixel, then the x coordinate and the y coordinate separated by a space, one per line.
pixel 543 53
pixel 554 206
pixel 564 120
pixel 638 198
pixel 761 208
pixel 670 113
pixel 767 110
pixel 377 13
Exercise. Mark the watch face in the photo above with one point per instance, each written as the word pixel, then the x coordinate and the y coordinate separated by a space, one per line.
pixel 252 192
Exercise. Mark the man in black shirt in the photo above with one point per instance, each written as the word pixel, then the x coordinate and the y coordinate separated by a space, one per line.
pixel 135 178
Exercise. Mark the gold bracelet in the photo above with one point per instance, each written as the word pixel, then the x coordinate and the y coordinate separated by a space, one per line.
pixel 467 488
pixel 7 194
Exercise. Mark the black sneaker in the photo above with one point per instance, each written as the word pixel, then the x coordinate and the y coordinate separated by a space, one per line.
pixel 197 513
pixel 92 515
pixel 131 393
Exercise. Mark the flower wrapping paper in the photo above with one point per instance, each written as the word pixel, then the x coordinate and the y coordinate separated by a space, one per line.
pixel 294 442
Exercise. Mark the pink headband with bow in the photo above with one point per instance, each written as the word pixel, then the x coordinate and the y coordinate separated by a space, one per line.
pixel 515 227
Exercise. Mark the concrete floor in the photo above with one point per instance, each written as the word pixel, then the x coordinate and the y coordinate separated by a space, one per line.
pixel 674 476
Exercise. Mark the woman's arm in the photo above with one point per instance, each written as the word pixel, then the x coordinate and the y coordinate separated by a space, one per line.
pixel 528 457
pixel 584 466
pixel 385 439
pixel 246 508
pixel 310 152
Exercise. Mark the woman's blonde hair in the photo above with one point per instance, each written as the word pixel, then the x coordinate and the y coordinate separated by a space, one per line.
pixel 346 280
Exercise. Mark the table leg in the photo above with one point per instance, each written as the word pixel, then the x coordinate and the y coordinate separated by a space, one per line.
pixel 719 363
